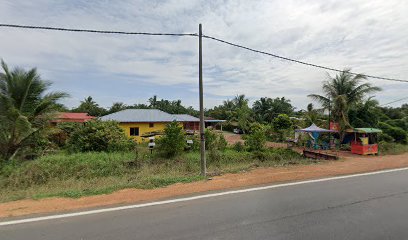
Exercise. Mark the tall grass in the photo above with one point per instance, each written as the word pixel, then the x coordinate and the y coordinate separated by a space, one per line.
pixel 386 148
pixel 81 174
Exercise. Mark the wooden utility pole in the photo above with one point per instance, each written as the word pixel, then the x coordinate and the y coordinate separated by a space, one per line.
pixel 200 83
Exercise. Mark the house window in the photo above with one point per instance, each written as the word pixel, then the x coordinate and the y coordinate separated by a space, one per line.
pixel 151 125
pixel 134 131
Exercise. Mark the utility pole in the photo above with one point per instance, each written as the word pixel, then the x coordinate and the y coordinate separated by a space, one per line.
pixel 329 111
pixel 200 83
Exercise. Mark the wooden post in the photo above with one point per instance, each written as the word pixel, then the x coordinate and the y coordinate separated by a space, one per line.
pixel 200 81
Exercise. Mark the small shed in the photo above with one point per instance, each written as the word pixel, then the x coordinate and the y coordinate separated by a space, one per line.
pixel 365 140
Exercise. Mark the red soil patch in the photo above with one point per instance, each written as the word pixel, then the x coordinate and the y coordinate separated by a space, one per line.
pixel 228 181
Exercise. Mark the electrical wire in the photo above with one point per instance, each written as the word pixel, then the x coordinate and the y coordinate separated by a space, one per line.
pixel 193 35
pixel 394 101
pixel 95 31
pixel 300 62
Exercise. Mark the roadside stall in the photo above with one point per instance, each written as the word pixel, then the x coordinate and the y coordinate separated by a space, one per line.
pixel 314 133
pixel 365 140
pixel 314 147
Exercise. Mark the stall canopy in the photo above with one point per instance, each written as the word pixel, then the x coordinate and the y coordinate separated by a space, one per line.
pixel 364 130
pixel 315 130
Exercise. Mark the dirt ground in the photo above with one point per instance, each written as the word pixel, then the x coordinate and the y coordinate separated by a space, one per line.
pixel 347 165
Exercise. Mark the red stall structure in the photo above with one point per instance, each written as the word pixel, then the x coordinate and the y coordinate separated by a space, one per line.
pixel 364 141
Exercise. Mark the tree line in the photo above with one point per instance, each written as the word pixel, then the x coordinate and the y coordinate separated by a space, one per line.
pixel 27 106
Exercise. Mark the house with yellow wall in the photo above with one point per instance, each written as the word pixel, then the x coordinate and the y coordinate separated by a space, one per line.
pixel 142 123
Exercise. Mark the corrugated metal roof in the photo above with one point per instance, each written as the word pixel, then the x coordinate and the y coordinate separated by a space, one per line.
pixel 186 118
pixel 367 130
pixel 139 115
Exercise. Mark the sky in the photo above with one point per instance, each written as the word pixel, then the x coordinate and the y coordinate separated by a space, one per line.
pixel 369 36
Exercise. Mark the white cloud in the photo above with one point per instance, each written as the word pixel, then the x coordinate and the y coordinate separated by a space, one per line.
pixel 370 36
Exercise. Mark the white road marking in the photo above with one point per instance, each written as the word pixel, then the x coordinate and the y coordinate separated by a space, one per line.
pixel 104 210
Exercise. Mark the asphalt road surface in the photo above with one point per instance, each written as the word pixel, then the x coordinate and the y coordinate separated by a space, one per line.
pixel 364 207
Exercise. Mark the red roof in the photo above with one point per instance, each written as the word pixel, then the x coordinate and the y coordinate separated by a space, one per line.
pixel 73 117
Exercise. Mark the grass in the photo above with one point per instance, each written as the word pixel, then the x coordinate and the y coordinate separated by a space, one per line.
pixel 84 174
pixel 392 148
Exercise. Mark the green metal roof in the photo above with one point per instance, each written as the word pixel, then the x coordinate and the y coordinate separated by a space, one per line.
pixel 368 130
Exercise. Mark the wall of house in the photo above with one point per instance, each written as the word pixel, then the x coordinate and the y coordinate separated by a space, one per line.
pixel 143 129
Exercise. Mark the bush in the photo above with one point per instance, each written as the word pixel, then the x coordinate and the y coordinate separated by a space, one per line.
pixel 392 148
pixel 64 132
pixel 173 142
pixel 256 141
pixel 214 141
pixel 397 133
pixel 221 143
pixel 239 147
pixel 401 123
pixel 62 167
pixel 210 139
pixel 281 125
pixel 385 137
pixel 99 136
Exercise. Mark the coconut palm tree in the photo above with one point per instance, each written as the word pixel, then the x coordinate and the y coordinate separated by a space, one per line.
pixel 342 92
pixel 25 108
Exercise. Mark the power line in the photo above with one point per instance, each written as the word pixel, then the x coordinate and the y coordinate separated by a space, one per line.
pixel 193 35
pixel 95 31
pixel 298 61
pixel 394 101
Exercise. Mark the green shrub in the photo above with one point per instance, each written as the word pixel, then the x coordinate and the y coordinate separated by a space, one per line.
pixel 99 136
pixel 63 132
pixel 173 142
pixel 385 137
pixel 210 139
pixel 214 157
pixel 214 141
pixel 397 133
pixel 281 124
pixel 221 142
pixel 238 146
pixel 256 140
pixel 386 148
pixel 401 123
pixel 62 166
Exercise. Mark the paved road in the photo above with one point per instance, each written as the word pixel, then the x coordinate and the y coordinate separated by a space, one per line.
pixel 365 207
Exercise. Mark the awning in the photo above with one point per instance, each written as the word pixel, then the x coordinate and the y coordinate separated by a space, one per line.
pixel 313 128
pixel 364 130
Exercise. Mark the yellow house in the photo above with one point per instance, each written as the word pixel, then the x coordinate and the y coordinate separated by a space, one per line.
pixel 139 124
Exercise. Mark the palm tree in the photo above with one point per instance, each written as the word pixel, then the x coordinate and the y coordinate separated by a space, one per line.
pixel 342 92
pixel 25 108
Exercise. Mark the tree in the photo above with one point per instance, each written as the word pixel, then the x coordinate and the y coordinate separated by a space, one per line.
pixel 365 114
pixel 266 109
pixel 173 142
pixel 281 125
pixel 25 110
pixel 235 111
pixel 116 107
pixel 91 107
pixel 256 140
pixel 172 107
pixel 342 92
pixel 99 136
pixel 312 115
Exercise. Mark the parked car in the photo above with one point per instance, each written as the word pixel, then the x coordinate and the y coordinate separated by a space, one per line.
pixel 238 131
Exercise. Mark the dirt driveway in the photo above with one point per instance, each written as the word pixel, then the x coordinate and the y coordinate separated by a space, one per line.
pixel 228 181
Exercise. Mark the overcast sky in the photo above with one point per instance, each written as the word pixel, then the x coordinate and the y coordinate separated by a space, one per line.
pixel 369 36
